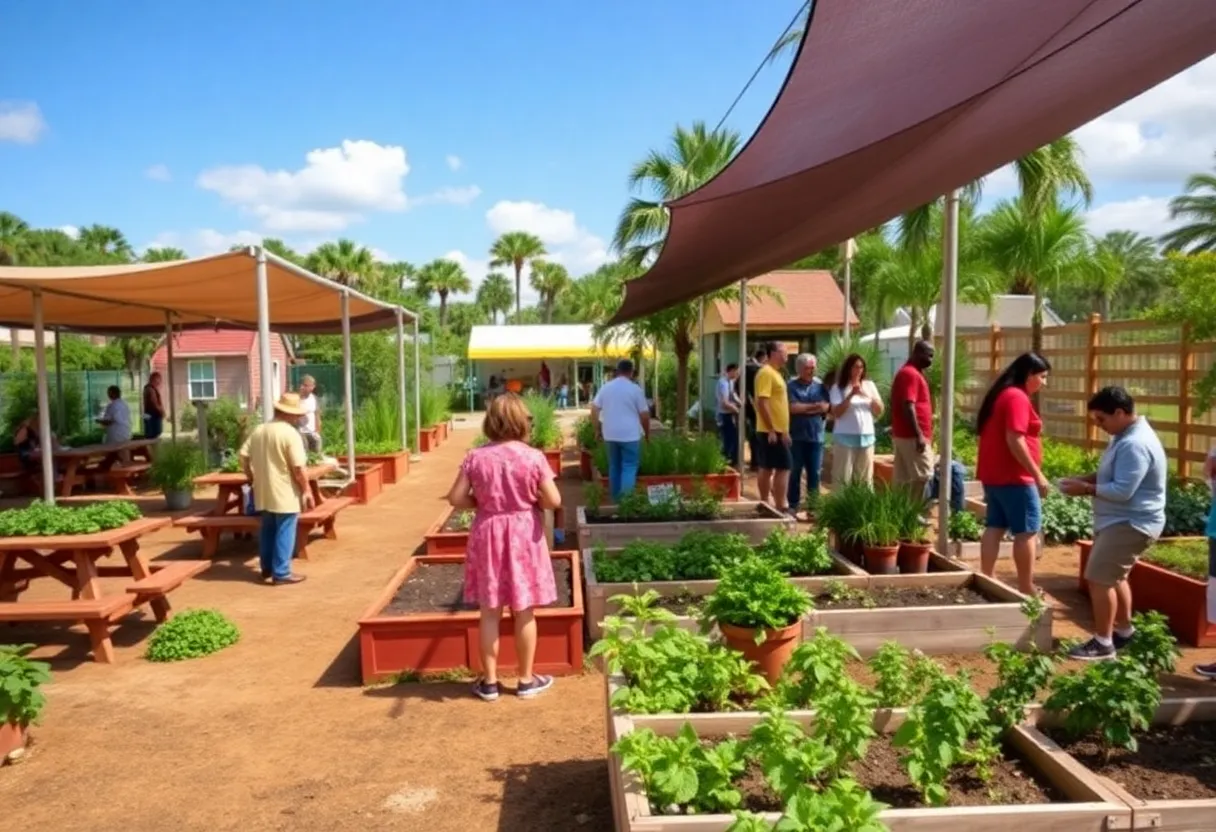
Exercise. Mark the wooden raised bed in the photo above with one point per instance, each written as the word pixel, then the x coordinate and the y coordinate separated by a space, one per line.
pixel 428 439
pixel 726 484
pixel 1182 599
pixel 433 642
pixel 394 466
pixel 969 550
pixel 440 541
pixel 368 482
pixel 752 520
pixel 938 630
pixel 1094 806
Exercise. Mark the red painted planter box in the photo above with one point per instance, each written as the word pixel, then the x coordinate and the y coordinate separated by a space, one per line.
pixel 1183 600
pixel 439 542
pixel 586 471
pixel 554 458
pixel 428 439
pixel 394 467
pixel 434 642
pixel 726 484
pixel 441 430
pixel 10 464
pixel 12 737
pixel 369 482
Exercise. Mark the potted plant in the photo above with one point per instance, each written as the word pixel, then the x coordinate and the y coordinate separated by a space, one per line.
pixel 21 700
pixel 879 533
pixel 584 434
pixel 546 434
pixel 759 613
pixel 842 511
pixel 914 544
pixel 173 469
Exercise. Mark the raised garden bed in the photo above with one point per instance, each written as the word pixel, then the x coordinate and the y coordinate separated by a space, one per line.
pixel 428 439
pixel 394 466
pixel 586 470
pixel 1183 599
pixel 368 482
pixel 752 519
pixel 449 535
pixel 419 623
pixel 725 484
pixel 969 550
pixel 947 613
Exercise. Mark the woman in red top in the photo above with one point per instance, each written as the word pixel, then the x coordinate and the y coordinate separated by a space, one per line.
pixel 1010 453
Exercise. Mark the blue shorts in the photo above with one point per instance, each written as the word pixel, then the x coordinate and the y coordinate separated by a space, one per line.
pixel 1014 507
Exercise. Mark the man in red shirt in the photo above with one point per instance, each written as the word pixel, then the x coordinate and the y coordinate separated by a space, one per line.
pixel 912 421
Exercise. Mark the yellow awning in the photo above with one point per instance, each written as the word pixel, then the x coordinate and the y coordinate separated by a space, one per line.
pixel 544 342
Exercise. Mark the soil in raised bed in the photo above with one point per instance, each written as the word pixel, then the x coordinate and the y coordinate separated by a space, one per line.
pixel 728 512
pixel 1175 762
pixel 456 523
pixel 901 596
pixel 439 587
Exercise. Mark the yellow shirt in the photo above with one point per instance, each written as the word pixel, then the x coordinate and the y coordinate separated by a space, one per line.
pixel 273 450
pixel 771 387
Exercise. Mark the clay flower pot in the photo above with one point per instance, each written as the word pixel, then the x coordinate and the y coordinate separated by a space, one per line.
pixel 12 737
pixel 769 657
pixel 882 560
pixel 914 557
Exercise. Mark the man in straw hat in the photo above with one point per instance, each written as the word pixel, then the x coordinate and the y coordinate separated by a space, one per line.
pixel 274 459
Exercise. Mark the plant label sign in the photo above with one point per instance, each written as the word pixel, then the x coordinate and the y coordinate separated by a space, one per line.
pixel 664 492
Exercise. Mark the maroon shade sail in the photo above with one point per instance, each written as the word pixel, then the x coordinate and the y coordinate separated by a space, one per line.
pixel 892 103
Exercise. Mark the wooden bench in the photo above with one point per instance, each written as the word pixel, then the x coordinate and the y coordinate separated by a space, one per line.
pixel 96 613
pixel 13 483
pixel 212 526
pixel 120 477
pixel 167 577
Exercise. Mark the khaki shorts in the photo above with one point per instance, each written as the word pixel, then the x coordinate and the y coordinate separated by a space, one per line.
pixel 912 467
pixel 1116 550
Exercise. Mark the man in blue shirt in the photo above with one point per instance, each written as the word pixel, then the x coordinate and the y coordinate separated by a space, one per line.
pixel 727 413
pixel 808 408
pixel 1128 492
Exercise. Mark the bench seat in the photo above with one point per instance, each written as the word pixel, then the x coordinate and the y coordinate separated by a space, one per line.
pixel 168 577
pixel 99 609
pixel 211 526
pixel 120 476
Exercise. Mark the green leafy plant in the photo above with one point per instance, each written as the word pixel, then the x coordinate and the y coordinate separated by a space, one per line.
pixel 681 771
pixel 672 455
pixel 1020 679
pixel 1187 504
pixel 190 635
pixel 1113 699
pixel 910 511
pixel 884 521
pixel 797 554
pixel 637 506
pixel 21 681
pixel 41 519
pixel 1154 648
pixel 377 425
pixel 433 402
pixel 897 680
pixel 842 805
pixel 175 465
pixel 584 434
pixel 593 498
pixel 460 521
pixel 227 423
pixel 1186 557
pixel 785 753
pixel 1061 459
pixel 965 526
pixel 231 463
pixel 843 510
pixel 752 594
pixel 546 433
pixel 816 666
pixel 1066 519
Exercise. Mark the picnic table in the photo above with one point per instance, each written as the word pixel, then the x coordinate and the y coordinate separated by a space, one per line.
pixel 226 516
pixel 100 459
pixel 73 561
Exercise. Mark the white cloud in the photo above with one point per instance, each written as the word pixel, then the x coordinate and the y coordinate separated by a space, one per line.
pixel 21 122
pixel 204 241
pixel 1161 136
pixel 336 187
pixel 158 173
pixel 462 195
pixel 71 230
pixel 568 242
pixel 1146 214
pixel 454 162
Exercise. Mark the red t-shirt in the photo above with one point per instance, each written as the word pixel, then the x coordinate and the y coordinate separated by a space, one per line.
pixel 1012 411
pixel 910 386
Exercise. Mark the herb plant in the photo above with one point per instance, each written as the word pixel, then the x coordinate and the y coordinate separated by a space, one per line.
pixel 965 526
pixel 1187 504
pixel 41 519
pixel 1186 557
pixel 900 676
pixel 703 504
pixel 815 666
pixel 1113 699
pixel 681 772
pixel 175 466
pixel 1154 648
pixel 797 554
pixel 1020 678
pixel 191 635
pixel 753 594
pixel 785 753
pixel 593 498
pixel 1066 519
pixel 21 680
pixel 584 433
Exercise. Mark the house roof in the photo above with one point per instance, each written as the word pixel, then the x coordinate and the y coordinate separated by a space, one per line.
pixel 808 300
pixel 542 341
pixel 1009 311
pixel 207 343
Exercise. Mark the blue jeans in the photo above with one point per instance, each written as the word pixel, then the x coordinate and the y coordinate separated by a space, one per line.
pixel 728 432
pixel 277 543
pixel 623 460
pixel 154 426
pixel 808 456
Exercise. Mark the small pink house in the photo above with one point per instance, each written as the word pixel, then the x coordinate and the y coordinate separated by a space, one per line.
pixel 212 363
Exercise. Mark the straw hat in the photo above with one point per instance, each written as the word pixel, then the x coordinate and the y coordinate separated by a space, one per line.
pixel 289 403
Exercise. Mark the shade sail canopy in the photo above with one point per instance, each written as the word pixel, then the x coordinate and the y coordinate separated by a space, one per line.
pixel 204 292
pixel 890 105
pixel 548 341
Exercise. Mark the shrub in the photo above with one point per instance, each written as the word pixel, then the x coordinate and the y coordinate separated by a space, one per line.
pixel 21 400
pixel 227 423
pixel 191 635
pixel 965 526
pixel 21 679
pixel 1066 519
pixel 175 466
pixel 1186 508
pixel 434 405
pixel 546 433
pixel 1063 460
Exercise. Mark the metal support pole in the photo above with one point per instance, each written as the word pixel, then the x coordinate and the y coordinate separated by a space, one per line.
pixel 263 291
pixel 417 455
pixel 44 406
pixel 60 408
pixel 574 385
pixel 949 308
pixel 172 376
pixel 742 382
pixel 348 387
pixel 405 422
pixel 847 249
pixel 701 365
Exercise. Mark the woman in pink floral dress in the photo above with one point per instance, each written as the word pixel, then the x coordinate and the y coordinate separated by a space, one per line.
pixel 507 562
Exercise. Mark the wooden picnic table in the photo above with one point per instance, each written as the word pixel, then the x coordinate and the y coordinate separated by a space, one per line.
pixel 72 560
pixel 228 486
pixel 100 458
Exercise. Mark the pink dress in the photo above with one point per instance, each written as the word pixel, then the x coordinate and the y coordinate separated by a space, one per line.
pixel 508 564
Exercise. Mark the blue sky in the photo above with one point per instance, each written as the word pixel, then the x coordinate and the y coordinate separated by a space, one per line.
pixel 192 124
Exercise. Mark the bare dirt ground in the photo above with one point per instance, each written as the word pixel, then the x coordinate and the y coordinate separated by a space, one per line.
pixel 276 733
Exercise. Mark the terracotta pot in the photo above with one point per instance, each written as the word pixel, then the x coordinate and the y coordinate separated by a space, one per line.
pixel 914 557
pixel 882 560
pixel 584 465
pixel 769 657
pixel 12 737
pixel 848 549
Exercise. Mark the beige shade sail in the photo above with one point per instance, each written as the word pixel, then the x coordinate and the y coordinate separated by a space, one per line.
pixel 891 104
pixel 205 292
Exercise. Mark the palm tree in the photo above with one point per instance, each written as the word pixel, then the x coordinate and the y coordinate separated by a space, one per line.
pixel 1034 251
pixel 163 255
pixel 1117 260
pixel 106 241
pixel 514 248
pixel 345 261
pixel 444 277
pixel 494 295
pixel 14 239
pixel 136 350
pixel 695 157
pixel 549 280
pixel 1198 205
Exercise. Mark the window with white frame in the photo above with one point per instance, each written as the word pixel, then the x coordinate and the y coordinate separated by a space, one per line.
pixel 202 379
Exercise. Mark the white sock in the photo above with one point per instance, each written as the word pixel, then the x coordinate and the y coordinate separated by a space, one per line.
pixel 1104 641
pixel 1125 632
